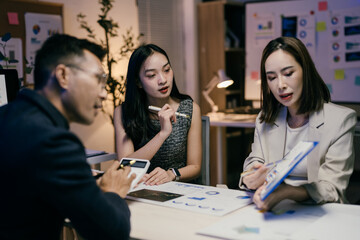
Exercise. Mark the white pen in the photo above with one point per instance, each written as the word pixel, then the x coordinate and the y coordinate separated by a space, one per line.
pixel 268 165
pixel 153 108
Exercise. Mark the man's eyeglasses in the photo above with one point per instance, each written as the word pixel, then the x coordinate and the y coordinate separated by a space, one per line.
pixel 102 77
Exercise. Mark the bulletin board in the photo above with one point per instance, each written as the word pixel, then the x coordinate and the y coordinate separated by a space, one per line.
pixel 12 18
pixel 329 29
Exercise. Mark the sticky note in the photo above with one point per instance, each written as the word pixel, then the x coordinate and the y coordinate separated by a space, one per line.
pixel 329 86
pixel 320 26
pixel 323 6
pixel 254 75
pixel 13 18
pixel 357 80
pixel 339 74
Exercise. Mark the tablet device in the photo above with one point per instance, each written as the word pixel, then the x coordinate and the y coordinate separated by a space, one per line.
pixel 139 167
pixel 283 168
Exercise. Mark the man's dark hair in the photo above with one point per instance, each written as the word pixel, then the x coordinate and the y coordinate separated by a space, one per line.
pixel 61 49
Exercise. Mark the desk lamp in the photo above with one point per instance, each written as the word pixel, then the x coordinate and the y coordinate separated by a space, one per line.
pixel 221 81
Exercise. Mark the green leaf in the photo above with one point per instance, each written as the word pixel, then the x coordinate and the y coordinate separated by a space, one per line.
pixel 6 37
pixel 28 70
pixel 2 57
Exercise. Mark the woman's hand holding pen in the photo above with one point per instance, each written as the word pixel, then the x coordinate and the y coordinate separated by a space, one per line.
pixel 257 178
pixel 117 180
pixel 166 117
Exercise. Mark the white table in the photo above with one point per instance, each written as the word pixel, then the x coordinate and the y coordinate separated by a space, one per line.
pixel 157 222
pixel 221 120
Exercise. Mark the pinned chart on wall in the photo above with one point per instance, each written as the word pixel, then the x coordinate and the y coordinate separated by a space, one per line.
pixel 13 51
pixel 38 28
pixel 329 29
pixel 344 35
pixel 302 26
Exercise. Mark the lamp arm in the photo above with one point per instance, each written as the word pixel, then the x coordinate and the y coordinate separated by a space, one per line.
pixel 209 87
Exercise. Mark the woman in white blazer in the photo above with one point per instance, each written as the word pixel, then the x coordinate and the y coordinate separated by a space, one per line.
pixel 296 107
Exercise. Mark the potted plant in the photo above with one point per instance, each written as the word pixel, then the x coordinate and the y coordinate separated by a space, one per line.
pixel 115 86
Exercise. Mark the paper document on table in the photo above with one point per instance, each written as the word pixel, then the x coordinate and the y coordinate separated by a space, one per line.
pixel 340 222
pixel 192 197
pixel 249 223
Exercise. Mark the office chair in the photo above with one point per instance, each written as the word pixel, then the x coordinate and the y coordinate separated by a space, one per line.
pixel 204 178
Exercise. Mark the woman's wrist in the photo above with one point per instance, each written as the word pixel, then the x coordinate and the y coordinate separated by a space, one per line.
pixel 171 174
pixel 163 135
pixel 298 194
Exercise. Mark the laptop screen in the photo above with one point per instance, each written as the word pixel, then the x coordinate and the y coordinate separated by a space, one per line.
pixel 9 85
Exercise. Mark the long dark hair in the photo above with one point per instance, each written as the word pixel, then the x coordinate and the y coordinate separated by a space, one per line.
pixel 315 91
pixel 135 115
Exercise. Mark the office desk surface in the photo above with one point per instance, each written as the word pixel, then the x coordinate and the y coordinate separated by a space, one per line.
pixel 157 222
pixel 150 221
pixel 233 120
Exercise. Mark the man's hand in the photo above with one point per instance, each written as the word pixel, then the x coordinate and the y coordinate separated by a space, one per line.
pixel 117 181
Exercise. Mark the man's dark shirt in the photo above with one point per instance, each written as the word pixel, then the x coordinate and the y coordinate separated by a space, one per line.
pixel 45 177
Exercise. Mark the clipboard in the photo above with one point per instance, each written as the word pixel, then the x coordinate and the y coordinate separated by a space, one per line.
pixel 283 168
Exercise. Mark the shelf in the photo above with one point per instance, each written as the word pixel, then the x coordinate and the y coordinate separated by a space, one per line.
pixel 241 50
pixel 235 91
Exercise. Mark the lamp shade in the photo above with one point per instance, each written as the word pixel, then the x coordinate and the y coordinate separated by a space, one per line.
pixel 224 80
pixel 221 81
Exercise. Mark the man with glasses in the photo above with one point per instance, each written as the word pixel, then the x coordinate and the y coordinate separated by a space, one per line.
pixel 45 177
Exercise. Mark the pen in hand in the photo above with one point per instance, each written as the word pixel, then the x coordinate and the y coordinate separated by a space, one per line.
pixel 153 108
pixel 120 167
pixel 252 170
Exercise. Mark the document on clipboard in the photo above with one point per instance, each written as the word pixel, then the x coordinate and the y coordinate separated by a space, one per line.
pixel 283 168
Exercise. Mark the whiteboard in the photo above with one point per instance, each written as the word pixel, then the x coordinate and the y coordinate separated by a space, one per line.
pixel 330 30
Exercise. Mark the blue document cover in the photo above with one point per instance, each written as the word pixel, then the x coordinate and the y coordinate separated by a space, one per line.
pixel 283 168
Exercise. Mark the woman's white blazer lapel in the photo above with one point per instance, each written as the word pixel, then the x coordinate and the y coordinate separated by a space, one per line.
pixel 316 126
pixel 275 137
